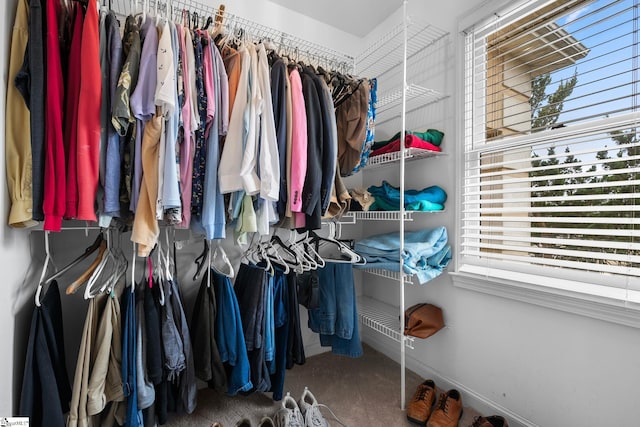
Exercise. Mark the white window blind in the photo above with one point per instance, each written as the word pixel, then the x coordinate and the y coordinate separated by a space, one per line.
pixel 551 174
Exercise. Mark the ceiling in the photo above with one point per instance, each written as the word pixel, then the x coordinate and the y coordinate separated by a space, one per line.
pixel 357 17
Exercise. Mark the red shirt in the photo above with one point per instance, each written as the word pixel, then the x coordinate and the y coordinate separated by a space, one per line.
pixel 54 164
pixel 88 156
pixel 71 114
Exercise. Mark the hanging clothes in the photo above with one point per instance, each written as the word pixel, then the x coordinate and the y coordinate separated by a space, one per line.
pixel 79 416
pixel 110 157
pixel 142 103
pixel 336 318
pixel 72 96
pixel 230 336
pixel 89 101
pixel 53 204
pixel 30 81
pixel 208 364
pixel 17 127
pixel 171 203
pixel 122 117
pixel 46 392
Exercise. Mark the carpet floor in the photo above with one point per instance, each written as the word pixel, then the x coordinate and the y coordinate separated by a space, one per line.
pixel 361 392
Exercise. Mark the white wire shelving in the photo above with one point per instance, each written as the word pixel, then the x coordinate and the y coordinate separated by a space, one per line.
pixel 392 100
pixel 395 275
pixel 377 216
pixel 382 318
pixel 409 154
pixel 387 52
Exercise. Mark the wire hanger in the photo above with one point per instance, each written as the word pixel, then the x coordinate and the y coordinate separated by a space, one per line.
pixel 47 261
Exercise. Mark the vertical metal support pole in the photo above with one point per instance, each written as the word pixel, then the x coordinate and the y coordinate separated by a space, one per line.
pixel 402 185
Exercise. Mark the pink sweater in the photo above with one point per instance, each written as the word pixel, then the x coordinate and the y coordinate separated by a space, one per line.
pixel 299 142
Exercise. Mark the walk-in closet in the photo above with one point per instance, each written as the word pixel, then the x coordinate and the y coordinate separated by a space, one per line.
pixel 279 213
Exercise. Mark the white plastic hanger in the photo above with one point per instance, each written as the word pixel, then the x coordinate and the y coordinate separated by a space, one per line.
pixel 47 260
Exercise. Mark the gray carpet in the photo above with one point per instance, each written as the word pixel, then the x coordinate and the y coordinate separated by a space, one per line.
pixel 361 392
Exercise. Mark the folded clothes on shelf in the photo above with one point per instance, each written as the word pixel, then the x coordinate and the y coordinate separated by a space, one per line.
pixel 433 136
pixel 410 141
pixel 426 252
pixel 387 198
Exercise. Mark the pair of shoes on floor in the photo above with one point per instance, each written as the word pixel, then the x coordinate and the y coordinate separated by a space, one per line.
pixel 304 413
pixel 447 411
pixel 492 421
pixel 264 422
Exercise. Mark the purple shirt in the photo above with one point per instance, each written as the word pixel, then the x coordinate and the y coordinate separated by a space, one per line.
pixel 143 98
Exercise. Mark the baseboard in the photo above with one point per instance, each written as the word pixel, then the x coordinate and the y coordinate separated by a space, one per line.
pixel 471 398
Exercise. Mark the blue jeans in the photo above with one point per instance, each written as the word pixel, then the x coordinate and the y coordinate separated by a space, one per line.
pixel 336 320
pixel 277 367
pixel 230 336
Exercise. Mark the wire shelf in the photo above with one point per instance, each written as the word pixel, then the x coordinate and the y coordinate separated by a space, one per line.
pixel 394 99
pixel 285 42
pixel 409 154
pixel 382 318
pixel 387 52
pixel 408 278
pixel 379 215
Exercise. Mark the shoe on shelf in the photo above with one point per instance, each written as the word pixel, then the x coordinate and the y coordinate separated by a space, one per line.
pixel 243 423
pixel 311 410
pixel 448 410
pixel 289 415
pixel 492 421
pixel 266 422
pixel 419 409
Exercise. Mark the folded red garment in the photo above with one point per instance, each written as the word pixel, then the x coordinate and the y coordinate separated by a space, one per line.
pixel 410 141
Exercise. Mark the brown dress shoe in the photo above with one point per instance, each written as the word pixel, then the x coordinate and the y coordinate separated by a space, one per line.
pixel 448 410
pixel 419 408
pixel 492 421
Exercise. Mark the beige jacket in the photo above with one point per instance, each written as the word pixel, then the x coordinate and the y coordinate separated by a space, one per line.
pixel 17 130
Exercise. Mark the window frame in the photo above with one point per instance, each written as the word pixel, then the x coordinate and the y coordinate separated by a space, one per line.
pixel 573 295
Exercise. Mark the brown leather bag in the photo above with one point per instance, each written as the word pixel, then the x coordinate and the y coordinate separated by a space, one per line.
pixel 423 320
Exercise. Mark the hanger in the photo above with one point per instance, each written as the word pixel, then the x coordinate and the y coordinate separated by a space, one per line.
pixel 107 258
pixel 133 269
pixel 121 268
pixel 112 267
pixel 330 243
pixel 47 261
pixel 220 262
pixel 73 287
pixel 201 260
pixel 88 251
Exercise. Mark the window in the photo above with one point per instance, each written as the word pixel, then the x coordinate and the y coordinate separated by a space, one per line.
pixel 551 173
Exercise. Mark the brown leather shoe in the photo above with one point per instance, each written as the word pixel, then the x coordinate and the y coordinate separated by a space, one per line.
pixel 448 410
pixel 492 421
pixel 419 408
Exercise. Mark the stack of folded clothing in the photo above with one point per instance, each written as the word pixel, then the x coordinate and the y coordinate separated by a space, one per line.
pixel 426 252
pixel 429 140
pixel 387 198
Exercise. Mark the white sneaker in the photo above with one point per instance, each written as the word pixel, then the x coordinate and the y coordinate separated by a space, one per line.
pixel 289 415
pixel 311 410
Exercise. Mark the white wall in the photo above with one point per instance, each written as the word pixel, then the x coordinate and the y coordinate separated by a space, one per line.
pixel 537 366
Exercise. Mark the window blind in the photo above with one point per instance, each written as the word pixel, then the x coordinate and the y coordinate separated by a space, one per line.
pixel 551 176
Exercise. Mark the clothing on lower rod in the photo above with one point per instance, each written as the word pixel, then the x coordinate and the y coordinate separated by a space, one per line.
pixel 336 318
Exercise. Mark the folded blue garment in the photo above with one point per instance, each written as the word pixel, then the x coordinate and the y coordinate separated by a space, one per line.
pixel 388 198
pixel 426 252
